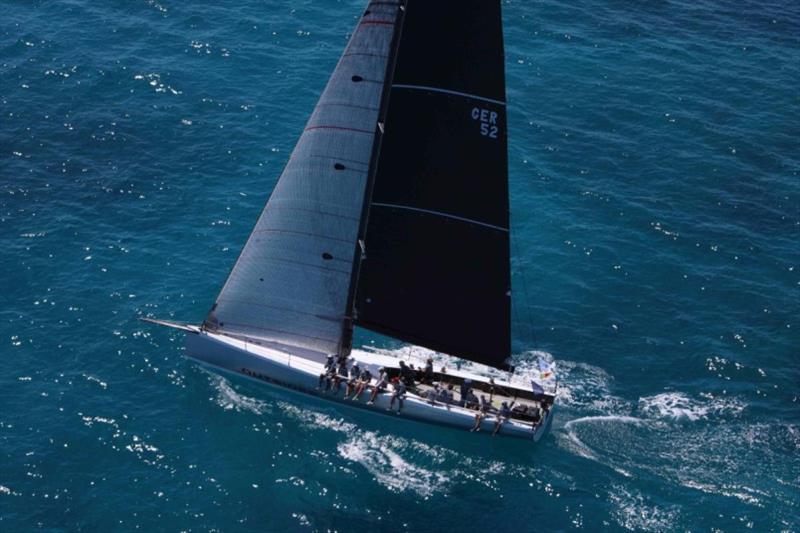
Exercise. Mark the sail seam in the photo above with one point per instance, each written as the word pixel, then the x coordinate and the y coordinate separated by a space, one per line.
pixel 304 233
pixel 336 158
pixel 339 104
pixel 316 212
pixel 447 91
pixel 283 331
pixel 342 128
pixel 442 214
pixel 278 307
pixel 369 54
pixel 310 265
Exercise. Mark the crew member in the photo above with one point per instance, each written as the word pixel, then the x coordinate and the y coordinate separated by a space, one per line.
pixel 398 394
pixel 483 412
pixel 327 373
pixel 383 381
pixel 502 416
pixel 363 382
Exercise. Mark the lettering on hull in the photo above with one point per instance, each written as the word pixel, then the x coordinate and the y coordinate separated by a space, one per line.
pixel 268 379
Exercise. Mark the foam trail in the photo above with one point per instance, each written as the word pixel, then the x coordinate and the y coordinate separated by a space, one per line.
pixel 635 513
pixel 584 451
pixel 228 398
pixel 605 418
pixel 678 406
pixel 378 456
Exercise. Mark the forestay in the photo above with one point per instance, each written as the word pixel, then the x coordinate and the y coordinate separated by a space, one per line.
pixel 290 284
pixel 436 271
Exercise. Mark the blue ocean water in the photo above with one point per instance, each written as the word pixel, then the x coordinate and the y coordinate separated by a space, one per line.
pixel 654 159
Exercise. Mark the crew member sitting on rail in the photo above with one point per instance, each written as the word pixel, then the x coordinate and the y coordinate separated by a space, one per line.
pixel 482 413
pixel 398 394
pixel 352 377
pixel 363 382
pixel 341 373
pixel 383 381
pixel 502 416
pixel 327 373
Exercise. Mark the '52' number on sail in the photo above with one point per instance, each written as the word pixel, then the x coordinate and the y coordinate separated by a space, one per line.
pixel 488 121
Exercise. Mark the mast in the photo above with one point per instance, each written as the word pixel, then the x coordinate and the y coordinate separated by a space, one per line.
pixel 359 253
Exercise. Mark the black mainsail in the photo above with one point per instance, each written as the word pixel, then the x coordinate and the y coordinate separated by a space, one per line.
pixel 436 270
pixel 404 159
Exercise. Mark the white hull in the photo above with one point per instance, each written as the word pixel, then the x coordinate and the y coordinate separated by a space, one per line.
pixel 301 373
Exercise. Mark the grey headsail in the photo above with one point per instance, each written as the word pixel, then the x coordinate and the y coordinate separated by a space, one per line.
pixel 291 283
pixel 436 270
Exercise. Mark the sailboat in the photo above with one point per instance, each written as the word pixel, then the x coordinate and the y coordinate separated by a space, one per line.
pixel 392 214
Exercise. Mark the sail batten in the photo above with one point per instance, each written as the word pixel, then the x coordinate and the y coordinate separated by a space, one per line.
pixel 446 91
pixel 292 280
pixel 439 214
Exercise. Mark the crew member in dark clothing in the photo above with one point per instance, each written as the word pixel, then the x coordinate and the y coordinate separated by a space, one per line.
pixel 464 390
pixel 406 374
pixel 447 395
pixel 327 373
pixel 341 373
pixel 471 401
pixel 363 382
pixel 483 412
pixel 428 373
pixel 352 378
pixel 415 373
pixel 398 394
pixel 502 416
pixel 383 381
